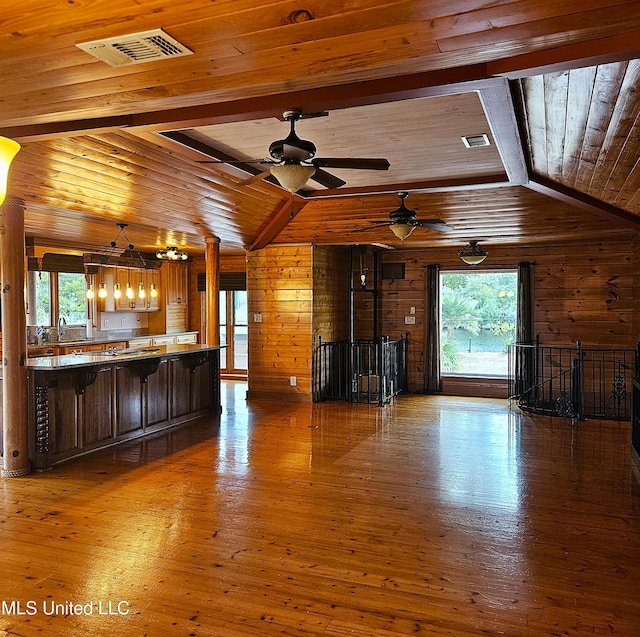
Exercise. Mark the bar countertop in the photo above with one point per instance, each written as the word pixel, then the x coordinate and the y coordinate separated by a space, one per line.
pixel 89 359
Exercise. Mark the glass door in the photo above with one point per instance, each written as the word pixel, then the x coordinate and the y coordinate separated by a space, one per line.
pixel 234 331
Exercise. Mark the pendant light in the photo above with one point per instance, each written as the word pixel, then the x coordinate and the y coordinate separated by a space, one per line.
pixel 473 254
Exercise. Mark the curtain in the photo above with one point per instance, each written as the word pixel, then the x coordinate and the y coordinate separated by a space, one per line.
pixel 432 378
pixel 524 364
pixel 524 318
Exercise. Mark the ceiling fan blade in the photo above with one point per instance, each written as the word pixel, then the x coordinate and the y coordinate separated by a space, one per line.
pixel 432 224
pixel 345 162
pixel 375 224
pixel 254 178
pixel 327 180
pixel 234 161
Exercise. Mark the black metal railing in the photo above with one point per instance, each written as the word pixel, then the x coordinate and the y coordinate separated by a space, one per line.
pixel 573 382
pixel 372 371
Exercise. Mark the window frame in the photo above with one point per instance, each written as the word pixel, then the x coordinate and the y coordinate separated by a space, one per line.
pixel 474 272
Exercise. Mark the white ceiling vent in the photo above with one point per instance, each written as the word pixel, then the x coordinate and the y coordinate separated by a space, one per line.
pixel 135 48
pixel 475 141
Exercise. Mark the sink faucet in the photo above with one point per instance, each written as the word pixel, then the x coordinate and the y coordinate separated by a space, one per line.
pixel 61 323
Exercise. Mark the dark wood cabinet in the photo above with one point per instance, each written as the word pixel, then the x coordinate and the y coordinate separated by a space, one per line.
pixel 73 411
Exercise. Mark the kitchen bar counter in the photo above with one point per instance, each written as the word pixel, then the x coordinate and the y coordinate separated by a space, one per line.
pixel 79 403
pixel 88 359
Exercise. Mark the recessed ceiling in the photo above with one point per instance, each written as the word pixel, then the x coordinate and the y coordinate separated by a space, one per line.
pixel 421 138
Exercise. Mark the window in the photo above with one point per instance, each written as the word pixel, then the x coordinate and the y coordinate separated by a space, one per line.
pixel 72 298
pixel 477 322
pixel 42 283
pixel 59 295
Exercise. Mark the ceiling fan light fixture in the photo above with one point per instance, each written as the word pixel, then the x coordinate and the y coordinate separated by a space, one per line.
pixel 292 177
pixel 402 230
pixel 473 254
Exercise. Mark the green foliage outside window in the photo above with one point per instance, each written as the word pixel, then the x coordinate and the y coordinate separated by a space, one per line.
pixel 478 318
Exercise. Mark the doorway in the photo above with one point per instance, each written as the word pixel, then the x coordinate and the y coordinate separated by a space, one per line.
pixel 234 330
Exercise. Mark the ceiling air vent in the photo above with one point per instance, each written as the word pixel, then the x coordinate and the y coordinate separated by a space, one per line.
pixel 135 48
pixel 475 141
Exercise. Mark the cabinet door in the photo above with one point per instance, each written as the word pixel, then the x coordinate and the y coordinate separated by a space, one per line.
pixel 157 395
pixel 180 386
pixel 177 278
pixel 126 279
pixel 97 408
pixel 128 399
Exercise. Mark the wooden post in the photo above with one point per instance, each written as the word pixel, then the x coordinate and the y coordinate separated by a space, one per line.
pixel 212 268
pixel 14 341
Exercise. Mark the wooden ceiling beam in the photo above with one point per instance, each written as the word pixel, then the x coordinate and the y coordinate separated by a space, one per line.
pixel 583 201
pixel 617 48
pixel 278 222
pixel 428 84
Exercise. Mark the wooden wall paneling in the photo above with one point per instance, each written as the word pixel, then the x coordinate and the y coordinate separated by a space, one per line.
pixel 330 293
pixel 280 344
pixel 585 292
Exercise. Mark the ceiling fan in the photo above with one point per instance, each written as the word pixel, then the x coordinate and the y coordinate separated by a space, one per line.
pixel 403 221
pixel 293 162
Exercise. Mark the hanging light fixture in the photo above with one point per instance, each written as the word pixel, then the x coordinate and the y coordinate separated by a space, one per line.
pixel 142 292
pixel 402 230
pixel 473 254
pixel 8 150
pixel 114 256
pixel 291 175
pixel 171 253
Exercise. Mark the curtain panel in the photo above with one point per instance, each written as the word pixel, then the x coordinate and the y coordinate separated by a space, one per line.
pixel 432 377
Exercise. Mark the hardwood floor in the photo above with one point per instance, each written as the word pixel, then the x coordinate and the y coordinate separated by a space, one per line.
pixel 433 516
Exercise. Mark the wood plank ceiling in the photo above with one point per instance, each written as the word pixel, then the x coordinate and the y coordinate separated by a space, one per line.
pixel 552 85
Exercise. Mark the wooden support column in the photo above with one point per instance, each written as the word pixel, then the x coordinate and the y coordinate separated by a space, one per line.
pixel 15 442
pixel 212 268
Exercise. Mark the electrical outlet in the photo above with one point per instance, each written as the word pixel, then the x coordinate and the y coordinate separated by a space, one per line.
pixel 409 320
pixel 292 381
pixel 257 318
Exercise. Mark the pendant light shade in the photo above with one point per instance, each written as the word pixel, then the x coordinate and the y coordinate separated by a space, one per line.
pixel 292 177
pixel 473 254
pixel 8 150
pixel 402 230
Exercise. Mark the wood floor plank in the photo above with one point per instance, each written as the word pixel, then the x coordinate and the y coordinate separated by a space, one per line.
pixel 433 516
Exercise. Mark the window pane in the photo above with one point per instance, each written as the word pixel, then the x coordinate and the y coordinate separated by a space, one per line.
pixel 223 350
pixel 240 307
pixel 223 307
pixel 478 321
pixel 43 301
pixel 72 298
pixel 240 360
